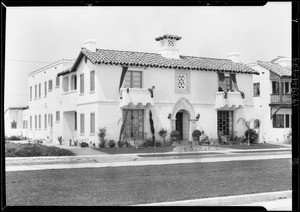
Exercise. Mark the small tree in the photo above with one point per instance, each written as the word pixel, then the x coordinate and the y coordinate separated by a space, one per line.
pixel 59 138
pixel 250 134
pixel 163 133
pixel 101 134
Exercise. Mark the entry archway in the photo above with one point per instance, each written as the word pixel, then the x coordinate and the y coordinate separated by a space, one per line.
pixel 182 124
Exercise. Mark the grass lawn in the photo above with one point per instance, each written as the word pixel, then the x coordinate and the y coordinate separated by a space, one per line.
pixel 130 185
pixel 252 146
pixel 33 150
pixel 131 150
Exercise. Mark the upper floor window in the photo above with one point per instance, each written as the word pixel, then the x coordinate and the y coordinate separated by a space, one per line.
pixel 256 89
pixel 66 84
pixel 228 84
pixel 45 89
pixel 35 91
pixel 57 116
pixel 92 81
pixel 133 79
pixel 30 93
pixel 40 90
pixel 81 83
pixel 285 87
pixel 74 82
pixel 50 86
pixel 92 123
pixel 275 87
pixel 57 81
pixel 256 124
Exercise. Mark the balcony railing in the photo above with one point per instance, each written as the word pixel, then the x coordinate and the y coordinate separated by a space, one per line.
pixel 234 100
pixel 281 99
pixel 136 97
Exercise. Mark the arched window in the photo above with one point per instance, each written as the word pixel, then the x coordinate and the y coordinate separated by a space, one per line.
pixel 256 123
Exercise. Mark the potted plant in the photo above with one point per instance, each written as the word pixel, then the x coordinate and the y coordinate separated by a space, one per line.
pixel 174 135
pixel 196 135
pixel 163 133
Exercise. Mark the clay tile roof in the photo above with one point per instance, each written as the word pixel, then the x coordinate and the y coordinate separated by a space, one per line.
pixel 168 36
pixel 276 68
pixel 18 108
pixel 144 59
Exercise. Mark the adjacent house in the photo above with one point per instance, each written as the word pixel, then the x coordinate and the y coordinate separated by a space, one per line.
pixel 105 88
pixel 272 97
pixel 16 121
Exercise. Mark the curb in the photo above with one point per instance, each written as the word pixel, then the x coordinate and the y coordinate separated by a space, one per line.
pixel 229 200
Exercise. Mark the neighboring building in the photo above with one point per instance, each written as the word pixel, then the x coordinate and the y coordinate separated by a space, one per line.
pixel 272 97
pixel 106 87
pixel 16 121
pixel 45 99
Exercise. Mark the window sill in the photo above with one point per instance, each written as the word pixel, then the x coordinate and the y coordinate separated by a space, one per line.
pixel 49 90
pixel 92 134
pixel 81 134
pixel 45 96
pixel 57 122
pixel 81 94
pixel 57 86
pixel 256 96
pixel 92 91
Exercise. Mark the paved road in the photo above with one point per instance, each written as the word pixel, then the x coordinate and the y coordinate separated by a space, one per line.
pixel 131 185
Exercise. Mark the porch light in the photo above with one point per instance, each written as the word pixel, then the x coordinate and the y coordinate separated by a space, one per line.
pixel 197 117
pixel 169 116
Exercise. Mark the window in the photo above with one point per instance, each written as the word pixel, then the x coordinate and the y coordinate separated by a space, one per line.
pixel 24 124
pixel 57 116
pixel 275 87
pixel 256 89
pixel 66 84
pixel 92 81
pixel 82 123
pixel 40 121
pixel 287 120
pixel 40 90
pixel 45 121
pixel 133 79
pixel 30 122
pixel 57 81
pixel 35 122
pixel 75 121
pixel 81 83
pixel 92 123
pixel 256 124
pixel 74 82
pixel 135 126
pixel 228 84
pixel 50 119
pixel 35 91
pixel 50 85
pixel 278 121
pixel 14 125
pixel 285 87
pixel 182 81
pixel 30 93
pixel 45 92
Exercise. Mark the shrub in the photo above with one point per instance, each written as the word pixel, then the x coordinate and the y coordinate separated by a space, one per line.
pixel 101 134
pixel 196 134
pixel 84 144
pixel 289 137
pixel 174 135
pixel 15 138
pixel 252 135
pixel 127 144
pixel 59 138
pixel 204 139
pixel 146 143
pixel 158 144
pixel 163 133
pixel 120 144
pixel 112 143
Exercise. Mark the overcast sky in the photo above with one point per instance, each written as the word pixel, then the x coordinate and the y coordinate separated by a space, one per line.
pixel 38 36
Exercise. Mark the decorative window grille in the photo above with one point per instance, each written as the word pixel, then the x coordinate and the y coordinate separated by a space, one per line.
pixel 182 81
pixel 171 43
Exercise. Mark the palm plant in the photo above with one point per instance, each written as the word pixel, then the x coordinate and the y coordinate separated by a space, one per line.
pixel 250 134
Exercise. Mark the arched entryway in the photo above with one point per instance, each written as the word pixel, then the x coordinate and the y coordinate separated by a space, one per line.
pixel 182 124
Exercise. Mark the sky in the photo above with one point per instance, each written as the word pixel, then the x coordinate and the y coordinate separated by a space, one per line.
pixel 38 36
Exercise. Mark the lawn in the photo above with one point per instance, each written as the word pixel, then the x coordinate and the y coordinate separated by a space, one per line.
pixel 33 150
pixel 131 150
pixel 252 146
pixel 130 185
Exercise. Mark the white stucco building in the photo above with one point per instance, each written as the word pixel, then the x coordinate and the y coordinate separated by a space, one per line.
pixel 272 97
pixel 102 87
pixel 15 119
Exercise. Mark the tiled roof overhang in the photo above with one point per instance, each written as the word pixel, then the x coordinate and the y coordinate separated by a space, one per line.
pixel 18 108
pixel 168 36
pixel 276 68
pixel 144 59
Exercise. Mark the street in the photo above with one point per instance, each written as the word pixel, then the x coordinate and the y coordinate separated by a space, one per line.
pixel 131 185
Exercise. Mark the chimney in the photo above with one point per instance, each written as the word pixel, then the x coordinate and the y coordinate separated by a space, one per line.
pixel 168 46
pixel 90 45
pixel 234 57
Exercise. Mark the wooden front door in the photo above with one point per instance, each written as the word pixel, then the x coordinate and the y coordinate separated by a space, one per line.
pixel 179 124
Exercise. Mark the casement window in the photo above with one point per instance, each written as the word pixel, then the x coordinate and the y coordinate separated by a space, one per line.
pixel 35 91
pixel 66 84
pixel 275 87
pixel 14 125
pixel 57 82
pixel 278 121
pixel 287 120
pixel 35 122
pixel 133 79
pixel 30 93
pixel 57 116
pixel 92 81
pixel 40 90
pixel 40 122
pixel 30 122
pixel 45 92
pixel 75 121
pixel 256 89
pixel 92 123
pixel 81 83
pixel 134 127
pixel 228 84
pixel 74 82
pixel 45 121
pixel 50 86
pixel 285 87
pixel 82 123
